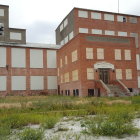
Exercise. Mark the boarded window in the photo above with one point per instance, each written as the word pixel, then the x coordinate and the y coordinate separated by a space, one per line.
pixel 15 36
pixel 121 19
pixel 61 79
pixel 3 80
pixel 65 22
pixel 109 17
pixel 122 33
pixel 83 14
pixel 66 77
pixel 127 54
pixel 52 82
pixel 90 73
pixel 95 15
pixel 138 61
pixel 117 54
pixel 96 31
pixel 83 30
pixel 66 39
pixel 100 53
pixel 61 27
pixel 132 19
pixel 74 56
pixel 128 74
pixel 135 35
pixel 71 35
pixel 51 59
pixel 1 12
pixel 75 75
pixel 109 32
pixel 119 74
pixel 138 81
pixel 61 63
pixel 89 53
pixel 2 57
pixel 18 83
pixel 66 60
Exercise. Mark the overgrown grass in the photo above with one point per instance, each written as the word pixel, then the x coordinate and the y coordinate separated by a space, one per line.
pixel 113 124
pixel 31 134
pixel 48 110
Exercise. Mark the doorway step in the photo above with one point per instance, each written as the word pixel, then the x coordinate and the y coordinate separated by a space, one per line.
pixel 117 91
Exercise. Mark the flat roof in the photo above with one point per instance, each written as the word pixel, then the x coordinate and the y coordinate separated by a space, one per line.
pixel 32 45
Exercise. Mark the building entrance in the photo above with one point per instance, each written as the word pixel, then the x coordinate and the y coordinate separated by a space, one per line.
pixel 104 75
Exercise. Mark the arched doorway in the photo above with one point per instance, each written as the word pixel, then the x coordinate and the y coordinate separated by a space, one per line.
pixel 104 70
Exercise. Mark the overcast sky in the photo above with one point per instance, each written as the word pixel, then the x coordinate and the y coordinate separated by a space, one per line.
pixel 41 17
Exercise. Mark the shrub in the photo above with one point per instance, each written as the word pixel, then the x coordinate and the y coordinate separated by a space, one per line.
pixel 31 134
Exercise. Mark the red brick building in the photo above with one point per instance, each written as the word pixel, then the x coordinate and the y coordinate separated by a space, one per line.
pixel 100 53
pixel 25 68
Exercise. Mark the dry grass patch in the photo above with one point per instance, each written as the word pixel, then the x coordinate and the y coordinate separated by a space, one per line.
pixel 118 102
pixel 10 105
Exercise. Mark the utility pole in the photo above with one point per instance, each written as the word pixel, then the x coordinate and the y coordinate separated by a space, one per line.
pixel 118 6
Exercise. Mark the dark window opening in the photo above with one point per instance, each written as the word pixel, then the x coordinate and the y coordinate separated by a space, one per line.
pixel 61 92
pixel 68 92
pixel 90 92
pixel 130 89
pixel 124 19
pixel 74 92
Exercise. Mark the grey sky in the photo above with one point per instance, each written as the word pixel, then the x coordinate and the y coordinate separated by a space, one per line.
pixel 41 17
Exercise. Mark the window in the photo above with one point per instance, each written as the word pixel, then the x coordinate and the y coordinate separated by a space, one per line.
pixel 61 79
pixel 108 32
pixel 132 19
pixel 2 57
pixel 95 15
pixel 135 35
pixel 138 61
pixel 66 60
pixel 52 82
pixel 61 63
pixel 61 27
pixel 128 74
pixel 66 77
pixel 96 31
pixel 58 71
pixel 66 39
pixel 1 12
pixel 3 80
pixel 100 53
pixel 1 29
pixel 75 75
pixel 109 17
pixel 74 56
pixel 119 74
pixel 62 42
pixel 51 59
pixel 83 30
pixel 65 22
pixel 36 58
pixel 83 14
pixel 117 54
pixel 71 35
pixel 90 92
pixel 89 53
pixel 122 33
pixel 127 54
pixel 76 92
pixel 15 36
pixel 138 81
pixel 121 19
pixel 18 82
pixel 90 74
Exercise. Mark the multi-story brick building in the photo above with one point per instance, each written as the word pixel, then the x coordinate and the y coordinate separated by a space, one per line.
pixel 99 53
pixel 25 68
